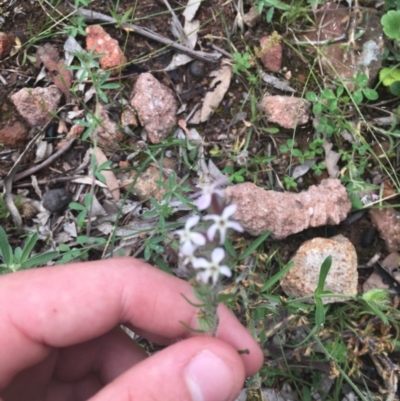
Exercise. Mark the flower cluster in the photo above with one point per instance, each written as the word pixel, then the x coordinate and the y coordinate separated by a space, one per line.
pixel 191 240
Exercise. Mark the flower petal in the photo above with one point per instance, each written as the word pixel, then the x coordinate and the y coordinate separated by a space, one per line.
pixel 217 255
pixel 198 239
pixel 212 230
pixel 199 263
pixel 235 226
pixel 225 270
pixel 229 211
pixel 191 222
pixel 204 201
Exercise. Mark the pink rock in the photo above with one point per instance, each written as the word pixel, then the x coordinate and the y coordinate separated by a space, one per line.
pixel 339 59
pixel 387 221
pixel 270 53
pixel 99 40
pixel 13 135
pixel 287 111
pixel 156 106
pixel 302 278
pixel 286 213
pixel 6 44
pixel 107 134
pixel 35 105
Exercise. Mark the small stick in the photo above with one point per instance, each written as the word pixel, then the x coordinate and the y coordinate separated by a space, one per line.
pixel 94 15
pixel 36 168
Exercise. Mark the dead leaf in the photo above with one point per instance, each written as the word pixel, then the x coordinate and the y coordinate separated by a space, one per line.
pixel 191 9
pixel 49 57
pixel 111 180
pixel 331 160
pixel 219 86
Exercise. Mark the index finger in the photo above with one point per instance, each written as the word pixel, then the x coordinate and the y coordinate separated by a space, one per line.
pixel 66 305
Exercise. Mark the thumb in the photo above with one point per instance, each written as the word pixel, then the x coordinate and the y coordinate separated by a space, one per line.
pixel 196 369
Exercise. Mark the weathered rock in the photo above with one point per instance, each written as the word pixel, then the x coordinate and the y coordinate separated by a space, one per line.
pixel 365 56
pixel 6 44
pixel 391 265
pixel 270 52
pixel 286 213
pixel 146 186
pixel 302 278
pixel 13 135
pixel 56 200
pixel 287 111
pixel 99 40
pixel 252 17
pixel 387 221
pixel 156 106
pixel 107 134
pixel 35 105
pixel 197 69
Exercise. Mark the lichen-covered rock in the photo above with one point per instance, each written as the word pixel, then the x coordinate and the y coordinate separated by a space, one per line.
pixel 13 135
pixel 387 221
pixel 156 106
pixel 146 186
pixel 270 52
pixel 302 278
pixel 56 200
pixel 6 44
pixel 287 111
pixel 99 40
pixel 35 104
pixel 286 213
pixel 107 134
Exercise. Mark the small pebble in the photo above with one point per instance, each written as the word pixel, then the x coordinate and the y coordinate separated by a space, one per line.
pixel 56 200
pixel 197 69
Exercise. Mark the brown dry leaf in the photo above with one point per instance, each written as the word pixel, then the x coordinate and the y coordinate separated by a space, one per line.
pixel 214 97
pixel 111 180
pixel 49 57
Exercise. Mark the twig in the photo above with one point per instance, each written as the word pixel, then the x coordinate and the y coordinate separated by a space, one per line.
pixel 93 15
pixel 38 167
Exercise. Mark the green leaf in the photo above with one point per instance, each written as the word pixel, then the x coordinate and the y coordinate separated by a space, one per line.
pixel 391 24
pixel 311 97
pixel 29 245
pixel 254 245
pixel 389 75
pixel 76 206
pixel 5 248
pixel 395 88
pixel 39 260
pixel 325 267
pixel 370 94
pixel 319 313
pixel 270 14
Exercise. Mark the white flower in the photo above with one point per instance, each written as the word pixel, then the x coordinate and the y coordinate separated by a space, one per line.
pixel 222 223
pixel 211 269
pixel 189 238
pixel 187 253
pixel 207 192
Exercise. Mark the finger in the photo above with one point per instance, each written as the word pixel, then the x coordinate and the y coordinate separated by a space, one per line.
pixel 66 305
pixel 197 369
pixel 82 369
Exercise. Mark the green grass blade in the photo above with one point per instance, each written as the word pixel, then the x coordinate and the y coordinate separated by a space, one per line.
pixel 5 248
pixel 325 267
pixel 277 277
pixel 254 245
pixel 29 245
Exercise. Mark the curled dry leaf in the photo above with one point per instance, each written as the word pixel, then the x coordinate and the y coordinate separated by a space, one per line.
pixel 191 9
pixel 219 86
pixel 111 180
pixel 49 57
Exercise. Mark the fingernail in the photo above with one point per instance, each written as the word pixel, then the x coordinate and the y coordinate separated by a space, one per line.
pixel 209 378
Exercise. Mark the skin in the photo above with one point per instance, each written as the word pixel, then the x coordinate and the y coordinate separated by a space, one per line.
pixel 60 338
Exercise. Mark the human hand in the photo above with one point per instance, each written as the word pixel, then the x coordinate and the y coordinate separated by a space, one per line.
pixel 60 339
